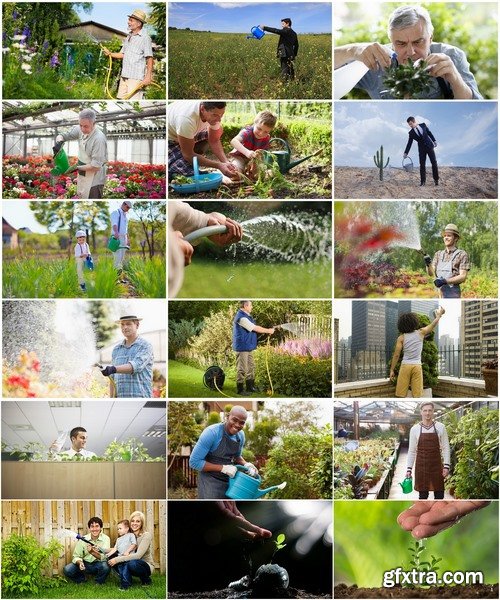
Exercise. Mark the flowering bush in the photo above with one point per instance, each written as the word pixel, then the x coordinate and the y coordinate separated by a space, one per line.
pixel 29 177
pixel 314 348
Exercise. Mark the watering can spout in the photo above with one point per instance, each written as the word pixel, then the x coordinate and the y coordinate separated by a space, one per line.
pixel 261 493
pixel 294 163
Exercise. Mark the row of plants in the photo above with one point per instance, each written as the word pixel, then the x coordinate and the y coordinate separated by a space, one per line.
pixel 356 471
pixel 29 177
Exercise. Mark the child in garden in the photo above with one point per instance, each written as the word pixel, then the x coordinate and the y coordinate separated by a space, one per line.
pixel 82 251
pixel 251 139
pixel 411 342
pixel 125 545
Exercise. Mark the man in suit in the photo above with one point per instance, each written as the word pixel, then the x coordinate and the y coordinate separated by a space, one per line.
pixel 288 47
pixel 426 144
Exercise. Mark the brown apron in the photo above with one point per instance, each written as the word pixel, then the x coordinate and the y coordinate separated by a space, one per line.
pixel 428 466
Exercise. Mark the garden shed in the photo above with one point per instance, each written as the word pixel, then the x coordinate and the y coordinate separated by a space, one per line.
pixel 376 441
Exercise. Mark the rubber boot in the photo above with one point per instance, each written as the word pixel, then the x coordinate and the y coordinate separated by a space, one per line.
pixel 240 388
pixel 251 387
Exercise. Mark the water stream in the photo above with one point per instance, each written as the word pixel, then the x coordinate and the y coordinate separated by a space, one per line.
pixel 401 216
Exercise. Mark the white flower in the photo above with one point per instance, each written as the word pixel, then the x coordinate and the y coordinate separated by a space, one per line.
pixel 19 37
pixel 16 45
pixel 4 50
pixel 26 67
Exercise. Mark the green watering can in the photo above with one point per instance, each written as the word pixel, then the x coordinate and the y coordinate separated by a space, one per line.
pixel 114 244
pixel 407 485
pixel 283 157
pixel 62 163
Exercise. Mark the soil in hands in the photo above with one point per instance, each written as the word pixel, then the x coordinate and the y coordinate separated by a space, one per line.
pixel 456 591
pixel 230 593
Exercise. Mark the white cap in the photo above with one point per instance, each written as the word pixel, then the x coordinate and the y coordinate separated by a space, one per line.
pixel 128 203
pixel 80 233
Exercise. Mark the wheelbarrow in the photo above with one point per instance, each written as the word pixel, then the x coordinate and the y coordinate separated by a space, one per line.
pixel 200 182
pixel 284 157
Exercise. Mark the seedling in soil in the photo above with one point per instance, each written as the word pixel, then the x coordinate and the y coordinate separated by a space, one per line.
pixel 419 565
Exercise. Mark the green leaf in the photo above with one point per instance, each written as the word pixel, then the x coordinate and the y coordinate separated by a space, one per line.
pixel 280 539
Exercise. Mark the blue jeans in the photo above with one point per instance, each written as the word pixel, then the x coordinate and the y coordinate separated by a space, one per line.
pixel 98 568
pixel 137 567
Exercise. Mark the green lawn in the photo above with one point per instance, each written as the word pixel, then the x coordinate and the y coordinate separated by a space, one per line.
pixel 187 382
pixel 218 279
pixel 89 589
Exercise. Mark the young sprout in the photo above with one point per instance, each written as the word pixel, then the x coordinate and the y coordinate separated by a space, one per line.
pixel 422 566
pixel 279 545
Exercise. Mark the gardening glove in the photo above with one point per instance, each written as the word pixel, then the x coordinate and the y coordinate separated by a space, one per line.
pixel 427 259
pixel 439 282
pixel 107 371
pixel 58 145
pixel 229 470
pixel 251 469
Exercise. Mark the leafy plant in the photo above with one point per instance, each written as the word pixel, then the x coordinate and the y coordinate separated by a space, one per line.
pixel 419 565
pixel 407 80
pixel 128 450
pixel 279 545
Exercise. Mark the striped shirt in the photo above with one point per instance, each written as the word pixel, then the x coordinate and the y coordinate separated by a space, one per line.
pixel 247 137
pixel 138 384
pixel 136 48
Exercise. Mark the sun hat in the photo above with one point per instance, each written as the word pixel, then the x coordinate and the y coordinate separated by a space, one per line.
pixel 128 318
pixel 139 14
pixel 451 227
pixel 80 233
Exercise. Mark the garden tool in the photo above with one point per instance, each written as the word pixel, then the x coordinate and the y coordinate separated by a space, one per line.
pixel 406 166
pixel 61 162
pixel 407 485
pixel 89 263
pixel 283 157
pixel 257 33
pixel 114 244
pixel 112 381
pixel 244 487
pixel 346 77
pixel 214 378
pixel 196 235
pixel 80 537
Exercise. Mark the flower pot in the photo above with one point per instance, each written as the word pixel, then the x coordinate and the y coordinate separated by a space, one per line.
pixel 491 381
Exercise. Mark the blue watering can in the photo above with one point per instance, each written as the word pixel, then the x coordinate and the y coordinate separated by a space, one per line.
pixel 89 263
pixel 257 33
pixel 407 485
pixel 244 487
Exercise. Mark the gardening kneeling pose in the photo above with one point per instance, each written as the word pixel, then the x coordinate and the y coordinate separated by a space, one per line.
pixel 87 558
pixel 245 332
pixel 132 368
pixel 411 342
pixel 428 442
pixel 449 266
pixel 216 453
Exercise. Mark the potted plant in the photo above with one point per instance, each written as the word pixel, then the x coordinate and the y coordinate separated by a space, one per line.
pixel 489 369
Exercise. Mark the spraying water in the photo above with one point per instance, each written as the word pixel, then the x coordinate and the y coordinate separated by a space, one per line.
pixel 62 534
pixel 401 216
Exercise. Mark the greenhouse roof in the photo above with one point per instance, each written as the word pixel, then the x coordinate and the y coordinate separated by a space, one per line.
pixel 117 117
pixel 390 411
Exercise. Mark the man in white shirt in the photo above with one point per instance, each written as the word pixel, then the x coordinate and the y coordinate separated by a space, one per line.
pixel 430 451
pixel 119 230
pixel 78 437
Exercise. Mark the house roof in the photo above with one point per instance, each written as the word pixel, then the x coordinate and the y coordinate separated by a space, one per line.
pixel 95 24
pixel 7 227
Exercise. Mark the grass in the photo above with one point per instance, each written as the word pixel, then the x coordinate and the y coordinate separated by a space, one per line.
pixel 185 381
pixel 226 65
pixel 204 279
pixel 109 589
pixel 56 278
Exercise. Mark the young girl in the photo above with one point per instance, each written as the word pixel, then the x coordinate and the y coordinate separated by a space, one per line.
pixel 82 250
pixel 411 342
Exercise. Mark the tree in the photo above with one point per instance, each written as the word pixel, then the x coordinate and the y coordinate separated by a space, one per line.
pixel 101 322
pixel 260 439
pixel 182 427
pixel 152 216
pixel 158 18
pixel 297 416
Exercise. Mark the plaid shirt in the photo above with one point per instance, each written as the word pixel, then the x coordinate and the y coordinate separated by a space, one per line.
pixel 460 262
pixel 177 164
pixel 135 49
pixel 138 384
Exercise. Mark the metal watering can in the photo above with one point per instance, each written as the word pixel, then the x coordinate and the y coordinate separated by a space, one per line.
pixel 407 485
pixel 245 487
pixel 283 157
pixel 257 33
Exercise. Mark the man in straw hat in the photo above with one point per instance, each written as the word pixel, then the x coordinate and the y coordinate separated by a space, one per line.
pixel 132 358
pixel 137 56
pixel 449 266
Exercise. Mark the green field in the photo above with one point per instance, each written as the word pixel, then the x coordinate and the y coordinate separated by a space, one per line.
pixel 204 279
pixel 226 65
pixel 56 278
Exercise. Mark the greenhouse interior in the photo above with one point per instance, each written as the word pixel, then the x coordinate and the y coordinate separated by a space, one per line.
pixel 372 447
pixel 135 133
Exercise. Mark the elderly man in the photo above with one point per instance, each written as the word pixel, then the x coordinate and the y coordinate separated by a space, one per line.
pixel 132 358
pixel 217 452
pixel 449 266
pixel 87 558
pixel 92 155
pixel 193 127
pixel 119 230
pixel 137 56
pixel 410 30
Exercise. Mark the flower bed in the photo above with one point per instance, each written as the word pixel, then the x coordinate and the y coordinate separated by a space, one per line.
pixel 30 177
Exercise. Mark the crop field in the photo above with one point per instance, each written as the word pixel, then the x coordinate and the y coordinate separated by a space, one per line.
pixel 227 65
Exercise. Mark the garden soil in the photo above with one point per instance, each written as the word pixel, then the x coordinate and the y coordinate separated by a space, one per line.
pixel 457 591
pixel 454 182
pixel 230 593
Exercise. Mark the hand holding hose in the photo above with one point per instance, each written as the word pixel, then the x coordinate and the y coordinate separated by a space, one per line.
pixel 109 370
pixel 427 260
pixel 234 230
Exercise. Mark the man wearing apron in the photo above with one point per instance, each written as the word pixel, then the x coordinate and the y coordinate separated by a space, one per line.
pixel 92 155
pixel 430 451
pixel 216 454
pixel 449 266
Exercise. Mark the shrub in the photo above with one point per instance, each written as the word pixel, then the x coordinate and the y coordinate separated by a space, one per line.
pixel 24 561
pixel 213 418
pixel 313 348
pixel 213 345
pixel 294 375
pixel 179 334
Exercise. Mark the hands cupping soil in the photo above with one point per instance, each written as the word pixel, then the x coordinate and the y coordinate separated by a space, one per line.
pixel 427 518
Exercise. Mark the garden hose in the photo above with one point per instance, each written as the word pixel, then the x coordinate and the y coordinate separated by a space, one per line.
pixel 111 380
pixel 268 345
pixel 219 390
pixel 130 94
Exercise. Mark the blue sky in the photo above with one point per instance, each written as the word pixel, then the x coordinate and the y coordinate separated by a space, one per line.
pixel 466 132
pixel 112 14
pixel 235 17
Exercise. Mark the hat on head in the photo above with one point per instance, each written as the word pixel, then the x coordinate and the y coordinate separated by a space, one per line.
pixel 139 14
pixel 80 233
pixel 128 318
pixel 451 227
pixel 128 203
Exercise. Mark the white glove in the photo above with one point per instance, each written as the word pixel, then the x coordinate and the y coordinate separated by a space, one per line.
pixel 59 138
pixel 251 469
pixel 229 470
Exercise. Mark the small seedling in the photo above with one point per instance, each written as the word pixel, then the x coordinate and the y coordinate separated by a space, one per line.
pixel 416 562
pixel 278 542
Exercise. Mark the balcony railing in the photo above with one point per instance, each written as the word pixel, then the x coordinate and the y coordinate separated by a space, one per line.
pixel 463 361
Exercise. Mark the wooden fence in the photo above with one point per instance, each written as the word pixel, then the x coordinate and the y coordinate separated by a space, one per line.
pixel 46 519
pixel 181 472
